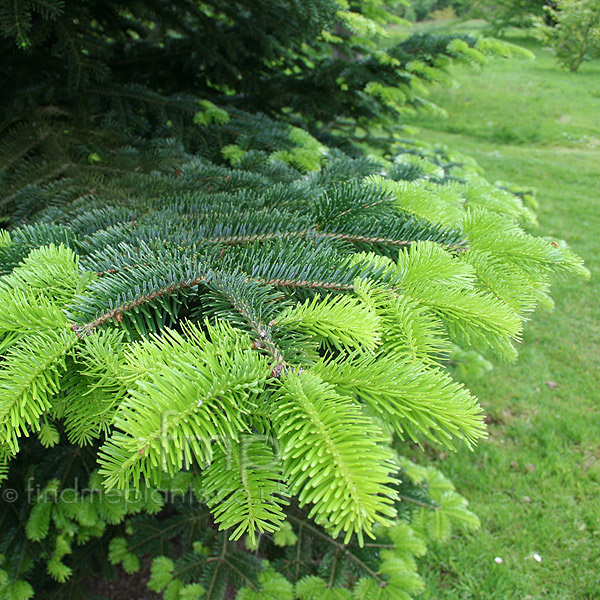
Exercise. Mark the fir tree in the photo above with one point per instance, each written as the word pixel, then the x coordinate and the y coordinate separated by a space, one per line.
pixel 230 293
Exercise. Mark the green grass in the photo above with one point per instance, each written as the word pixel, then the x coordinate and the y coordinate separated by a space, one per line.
pixel 535 482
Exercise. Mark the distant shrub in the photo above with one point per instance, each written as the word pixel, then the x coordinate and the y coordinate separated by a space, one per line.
pixel 438 10
pixel 443 14
pixel 419 9
pixel 572 31
pixel 502 14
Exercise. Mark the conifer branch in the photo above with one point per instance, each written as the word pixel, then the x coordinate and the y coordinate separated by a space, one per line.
pixel 417 502
pixel 363 239
pixel 343 548
pixel 344 237
pixel 53 174
pixel 119 312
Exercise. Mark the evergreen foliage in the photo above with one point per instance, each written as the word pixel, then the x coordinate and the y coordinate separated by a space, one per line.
pixel 217 324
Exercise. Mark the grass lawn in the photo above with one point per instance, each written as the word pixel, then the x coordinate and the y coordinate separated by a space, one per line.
pixel 535 483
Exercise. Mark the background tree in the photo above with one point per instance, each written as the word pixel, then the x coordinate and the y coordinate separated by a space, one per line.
pixel 573 32
pixel 420 10
pixel 501 14
pixel 219 326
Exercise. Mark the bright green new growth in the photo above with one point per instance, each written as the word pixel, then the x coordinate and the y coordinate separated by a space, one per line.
pixel 332 456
